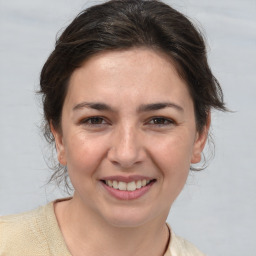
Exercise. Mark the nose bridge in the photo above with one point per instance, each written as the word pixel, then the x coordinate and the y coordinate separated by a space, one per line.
pixel 126 146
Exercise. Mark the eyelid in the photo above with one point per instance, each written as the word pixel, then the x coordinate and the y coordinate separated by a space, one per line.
pixel 170 121
pixel 104 121
pixel 86 120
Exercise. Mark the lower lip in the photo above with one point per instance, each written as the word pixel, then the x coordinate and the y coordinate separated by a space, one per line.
pixel 128 195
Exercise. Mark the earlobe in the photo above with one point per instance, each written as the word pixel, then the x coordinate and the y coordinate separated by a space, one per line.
pixel 59 145
pixel 200 141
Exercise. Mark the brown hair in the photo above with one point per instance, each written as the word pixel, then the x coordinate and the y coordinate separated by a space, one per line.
pixel 124 24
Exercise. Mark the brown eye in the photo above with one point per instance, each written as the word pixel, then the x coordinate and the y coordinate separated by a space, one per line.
pixel 160 121
pixel 95 120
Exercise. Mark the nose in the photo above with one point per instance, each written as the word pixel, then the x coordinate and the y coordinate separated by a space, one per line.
pixel 126 147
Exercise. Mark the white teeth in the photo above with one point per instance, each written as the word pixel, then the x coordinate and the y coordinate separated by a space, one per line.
pixel 130 186
pixel 138 185
pixel 115 184
pixel 122 185
pixel 110 183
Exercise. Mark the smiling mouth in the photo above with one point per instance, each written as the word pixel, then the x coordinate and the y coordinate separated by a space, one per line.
pixel 128 186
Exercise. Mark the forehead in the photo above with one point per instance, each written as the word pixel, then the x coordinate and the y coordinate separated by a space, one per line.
pixel 136 75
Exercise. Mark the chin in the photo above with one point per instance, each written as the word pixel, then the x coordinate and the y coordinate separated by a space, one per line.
pixel 126 222
pixel 130 218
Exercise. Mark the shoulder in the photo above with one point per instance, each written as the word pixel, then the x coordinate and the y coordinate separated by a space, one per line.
pixel 181 247
pixel 20 232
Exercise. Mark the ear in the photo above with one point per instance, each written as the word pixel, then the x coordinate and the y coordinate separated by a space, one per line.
pixel 200 141
pixel 59 145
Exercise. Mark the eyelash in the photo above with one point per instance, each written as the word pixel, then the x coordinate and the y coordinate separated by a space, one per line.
pixel 89 121
pixel 165 121
pixel 100 121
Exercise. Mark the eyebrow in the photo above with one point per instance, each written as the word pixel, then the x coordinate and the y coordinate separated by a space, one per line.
pixel 158 106
pixel 93 105
pixel 143 108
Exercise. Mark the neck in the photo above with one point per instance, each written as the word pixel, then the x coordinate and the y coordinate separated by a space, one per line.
pixel 85 233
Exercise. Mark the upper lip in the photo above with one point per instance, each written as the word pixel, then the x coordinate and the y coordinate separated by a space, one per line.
pixel 127 179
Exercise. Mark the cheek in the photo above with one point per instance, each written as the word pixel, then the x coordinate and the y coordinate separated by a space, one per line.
pixel 173 157
pixel 83 156
pixel 174 152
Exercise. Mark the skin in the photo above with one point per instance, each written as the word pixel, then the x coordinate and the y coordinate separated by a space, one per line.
pixel 125 139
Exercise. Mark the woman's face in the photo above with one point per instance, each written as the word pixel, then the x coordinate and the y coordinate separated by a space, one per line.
pixel 128 136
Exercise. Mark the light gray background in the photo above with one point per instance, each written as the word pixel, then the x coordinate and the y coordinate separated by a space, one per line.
pixel 217 208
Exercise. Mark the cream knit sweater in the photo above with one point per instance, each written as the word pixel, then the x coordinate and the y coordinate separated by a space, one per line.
pixel 36 233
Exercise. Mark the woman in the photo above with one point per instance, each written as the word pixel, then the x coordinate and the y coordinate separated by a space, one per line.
pixel 127 96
